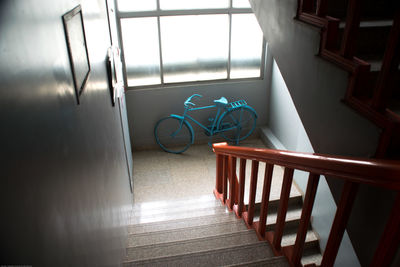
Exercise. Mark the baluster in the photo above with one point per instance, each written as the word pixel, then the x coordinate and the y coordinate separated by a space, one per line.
pixel 390 239
pixel 242 176
pixel 265 198
pixel 389 67
pixel 232 182
pixel 322 8
pixel 306 6
pixel 330 34
pixel 309 198
pixel 219 175
pixel 339 223
pixel 283 206
pixel 225 180
pixel 252 196
pixel 351 29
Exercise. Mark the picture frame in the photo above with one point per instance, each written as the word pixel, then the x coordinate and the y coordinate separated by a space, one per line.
pixel 77 49
pixel 111 73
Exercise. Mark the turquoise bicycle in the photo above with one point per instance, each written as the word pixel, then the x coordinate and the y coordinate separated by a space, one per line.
pixel 234 121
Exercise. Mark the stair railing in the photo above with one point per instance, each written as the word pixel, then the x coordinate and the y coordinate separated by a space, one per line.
pixel 315 12
pixel 352 171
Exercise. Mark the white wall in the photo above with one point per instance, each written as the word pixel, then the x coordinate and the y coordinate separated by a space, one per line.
pixel 147 106
pixel 285 124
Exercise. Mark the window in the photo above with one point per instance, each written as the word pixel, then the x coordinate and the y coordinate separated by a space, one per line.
pixel 174 41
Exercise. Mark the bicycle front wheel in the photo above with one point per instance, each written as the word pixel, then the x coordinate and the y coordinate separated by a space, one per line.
pixel 173 135
pixel 237 124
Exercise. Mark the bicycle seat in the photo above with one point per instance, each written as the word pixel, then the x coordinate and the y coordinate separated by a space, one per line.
pixel 221 102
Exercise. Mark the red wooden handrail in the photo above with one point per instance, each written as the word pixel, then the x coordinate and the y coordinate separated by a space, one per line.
pixel 353 171
pixel 382 173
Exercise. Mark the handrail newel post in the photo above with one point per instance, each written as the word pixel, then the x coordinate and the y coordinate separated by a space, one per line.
pixel 219 176
pixel 242 175
pixel 232 182
pixel 225 180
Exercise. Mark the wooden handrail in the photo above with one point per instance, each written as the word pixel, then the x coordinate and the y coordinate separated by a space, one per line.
pixel 353 171
pixel 382 173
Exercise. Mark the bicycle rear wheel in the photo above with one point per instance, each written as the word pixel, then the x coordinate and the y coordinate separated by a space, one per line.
pixel 173 135
pixel 237 124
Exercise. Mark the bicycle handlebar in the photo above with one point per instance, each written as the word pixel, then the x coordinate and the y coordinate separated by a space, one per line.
pixel 187 102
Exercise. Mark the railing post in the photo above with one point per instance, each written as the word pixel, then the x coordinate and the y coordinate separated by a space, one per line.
pixel 349 40
pixel 242 176
pixel 339 223
pixel 389 67
pixel 390 239
pixel 225 180
pixel 219 176
pixel 265 199
pixel 232 182
pixel 252 197
pixel 283 206
pixel 309 198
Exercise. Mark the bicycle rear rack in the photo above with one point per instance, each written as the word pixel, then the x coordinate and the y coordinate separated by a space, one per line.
pixel 237 104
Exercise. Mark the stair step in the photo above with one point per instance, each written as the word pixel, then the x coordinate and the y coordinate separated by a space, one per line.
pixel 273 262
pixel 181 214
pixel 245 237
pixel 181 223
pixel 312 239
pixel 157 207
pixel 215 257
pixel 311 255
pixel 185 233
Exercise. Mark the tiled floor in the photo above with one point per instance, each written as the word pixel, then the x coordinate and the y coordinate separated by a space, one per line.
pixel 161 176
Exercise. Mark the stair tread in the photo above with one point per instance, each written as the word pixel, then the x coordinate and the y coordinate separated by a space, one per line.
pixel 311 255
pixel 180 223
pixel 185 233
pixel 156 207
pixel 153 251
pixel 273 262
pixel 189 213
pixel 288 239
pixel 216 257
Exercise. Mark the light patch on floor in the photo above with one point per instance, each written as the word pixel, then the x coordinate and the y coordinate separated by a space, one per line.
pixel 161 176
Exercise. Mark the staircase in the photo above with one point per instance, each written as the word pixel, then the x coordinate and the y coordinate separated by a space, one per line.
pixel 201 232
pixel 363 38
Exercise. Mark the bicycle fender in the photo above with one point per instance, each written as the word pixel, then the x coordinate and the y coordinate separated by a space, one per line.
pixel 252 109
pixel 185 122
pixel 245 106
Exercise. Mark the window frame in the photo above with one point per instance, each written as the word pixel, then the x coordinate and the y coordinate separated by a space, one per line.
pixel 161 13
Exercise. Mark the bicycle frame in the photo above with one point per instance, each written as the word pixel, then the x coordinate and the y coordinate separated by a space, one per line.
pixel 210 131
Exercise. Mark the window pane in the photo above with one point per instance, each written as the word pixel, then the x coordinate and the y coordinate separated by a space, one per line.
pixel 246 46
pixel 193 4
pixel 141 50
pixel 137 5
pixel 241 4
pixel 194 48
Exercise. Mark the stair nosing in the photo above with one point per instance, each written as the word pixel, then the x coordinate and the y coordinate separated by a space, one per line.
pixel 237 222
pixel 175 220
pixel 218 236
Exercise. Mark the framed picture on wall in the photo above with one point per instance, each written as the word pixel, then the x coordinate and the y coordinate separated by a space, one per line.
pixel 77 48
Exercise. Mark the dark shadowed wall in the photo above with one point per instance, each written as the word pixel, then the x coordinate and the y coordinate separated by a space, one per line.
pixel 64 190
